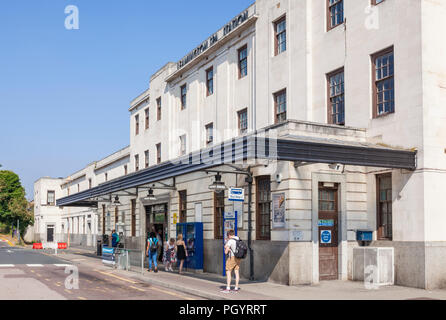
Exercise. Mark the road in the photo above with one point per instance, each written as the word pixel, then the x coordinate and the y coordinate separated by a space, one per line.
pixel 30 275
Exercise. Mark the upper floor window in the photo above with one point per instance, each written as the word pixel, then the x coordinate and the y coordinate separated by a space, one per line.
pixel 158 108
pixel 146 159
pixel 89 183
pixel 136 124
pixel 106 177
pixel 243 62
pixel 183 97
pixel 335 13
pixel 125 170
pixel 51 195
pixel 383 86
pixel 147 117
pixel 183 205
pixel 243 121
pixel 210 81
pixel 280 106
pixel 209 133
pixel 136 162
pixel 336 108
pixel 263 199
pixel 280 36
pixel 158 153
pixel 183 145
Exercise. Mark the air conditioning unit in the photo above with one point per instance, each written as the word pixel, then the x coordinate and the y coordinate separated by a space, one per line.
pixel 374 265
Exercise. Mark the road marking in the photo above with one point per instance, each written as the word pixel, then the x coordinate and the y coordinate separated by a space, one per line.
pixel 34 265
pixel 6 265
pixel 63 265
pixel 139 289
pixel 115 276
pixel 68 291
pixel 82 298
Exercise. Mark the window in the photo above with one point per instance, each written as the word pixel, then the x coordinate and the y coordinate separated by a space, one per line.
pixel 136 162
pixel 103 219
pixel 158 153
pixel 147 112
pixel 50 199
pixel 146 159
pixel 183 145
pixel 375 2
pixel 384 203
pixel 210 81
pixel 125 170
pixel 158 108
pixel 183 206
pixel 243 121
pixel 280 106
pixel 209 134
pixel 89 183
pixel 383 86
pixel 133 211
pixel 243 62
pixel 263 218
pixel 335 14
pixel 336 107
pixel 183 97
pixel 136 124
pixel 219 209
pixel 106 177
pixel 280 36
pixel 78 188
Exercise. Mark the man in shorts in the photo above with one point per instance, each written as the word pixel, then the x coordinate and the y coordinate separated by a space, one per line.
pixel 232 263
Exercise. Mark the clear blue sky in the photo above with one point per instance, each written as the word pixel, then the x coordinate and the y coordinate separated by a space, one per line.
pixel 65 94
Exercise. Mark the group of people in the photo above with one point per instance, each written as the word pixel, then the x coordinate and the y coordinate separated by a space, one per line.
pixel 174 250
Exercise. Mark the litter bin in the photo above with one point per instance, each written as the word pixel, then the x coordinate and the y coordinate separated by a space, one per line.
pixel 99 248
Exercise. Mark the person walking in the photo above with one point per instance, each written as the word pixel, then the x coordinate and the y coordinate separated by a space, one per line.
pixel 152 251
pixel 169 254
pixel 181 251
pixel 232 263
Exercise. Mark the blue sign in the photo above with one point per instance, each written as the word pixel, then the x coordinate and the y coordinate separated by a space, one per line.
pixel 236 194
pixel 108 255
pixel 326 223
pixel 326 237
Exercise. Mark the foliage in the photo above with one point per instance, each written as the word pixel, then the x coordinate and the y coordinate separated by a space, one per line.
pixel 13 204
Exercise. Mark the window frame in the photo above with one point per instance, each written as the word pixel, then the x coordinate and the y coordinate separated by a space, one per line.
pixel 182 206
pixel 183 96
pixel 329 26
pixel 374 3
pixel 329 97
pixel 48 203
pixel 158 153
pixel 183 145
pixel 379 226
pixel 136 162
pixel 219 209
pixel 146 159
pixel 239 121
pixel 147 118
pixel 133 216
pixel 158 109
pixel 276 35
pixel 207 127
pixel 240 61
pixel 259 235
pixel 208 81
pixel 374 57
pixel 136 124
pixel 276 105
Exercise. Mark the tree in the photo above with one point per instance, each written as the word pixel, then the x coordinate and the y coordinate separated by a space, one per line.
pixel 13 204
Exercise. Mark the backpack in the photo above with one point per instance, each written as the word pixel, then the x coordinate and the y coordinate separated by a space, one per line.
pixel 153 245
pixel 241 249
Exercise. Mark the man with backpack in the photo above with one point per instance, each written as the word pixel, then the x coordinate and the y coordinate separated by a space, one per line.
pixel 235 251
pixel 152 251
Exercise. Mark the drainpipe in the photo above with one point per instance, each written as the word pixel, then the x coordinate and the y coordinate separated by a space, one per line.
pixel 249 180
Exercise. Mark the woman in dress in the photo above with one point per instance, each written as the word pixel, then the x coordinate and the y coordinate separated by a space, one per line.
pixel 181 251
pixel 169 254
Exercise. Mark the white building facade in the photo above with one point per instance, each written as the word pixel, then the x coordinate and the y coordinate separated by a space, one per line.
pixel 344 91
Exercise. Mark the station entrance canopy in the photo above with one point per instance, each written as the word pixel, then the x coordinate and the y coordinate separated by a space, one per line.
pixel 251 148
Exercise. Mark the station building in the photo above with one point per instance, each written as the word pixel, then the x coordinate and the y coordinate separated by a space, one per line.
pixel 328 113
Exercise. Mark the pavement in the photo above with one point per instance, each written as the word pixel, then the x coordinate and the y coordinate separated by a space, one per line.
pixel 208 286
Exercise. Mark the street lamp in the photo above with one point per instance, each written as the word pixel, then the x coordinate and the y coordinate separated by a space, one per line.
pixel 218 185
pixel 150 196
pixel 117 202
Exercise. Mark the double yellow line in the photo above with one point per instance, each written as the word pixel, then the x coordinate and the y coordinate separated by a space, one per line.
pixel 9 242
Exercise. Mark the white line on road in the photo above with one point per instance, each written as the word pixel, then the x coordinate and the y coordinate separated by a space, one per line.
pixel 34 265
pixel 6 265
pixel 62 265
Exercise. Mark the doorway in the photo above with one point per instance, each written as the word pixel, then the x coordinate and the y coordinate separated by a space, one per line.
pixel 328 231
pixel 156 221
pixel 50 233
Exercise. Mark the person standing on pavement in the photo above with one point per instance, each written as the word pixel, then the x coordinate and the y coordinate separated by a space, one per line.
pixel 115 239
pixel 232 263
pixel 152 251
pixel 169 255
pixel 181 251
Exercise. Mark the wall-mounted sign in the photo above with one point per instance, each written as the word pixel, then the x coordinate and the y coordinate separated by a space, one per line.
pixel 326 223
pixel 175 218
pixel 236 194
pixel 279 210
pixel 325 236
pixel 229 215
pixel 212 40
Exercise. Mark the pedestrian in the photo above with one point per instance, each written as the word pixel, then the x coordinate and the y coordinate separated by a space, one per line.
pixel 169 254
pixel 181 251
pixel 232 263
pixel 152 251
pixel 115 239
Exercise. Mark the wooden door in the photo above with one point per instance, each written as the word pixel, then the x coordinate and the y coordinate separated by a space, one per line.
pixel 328 233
